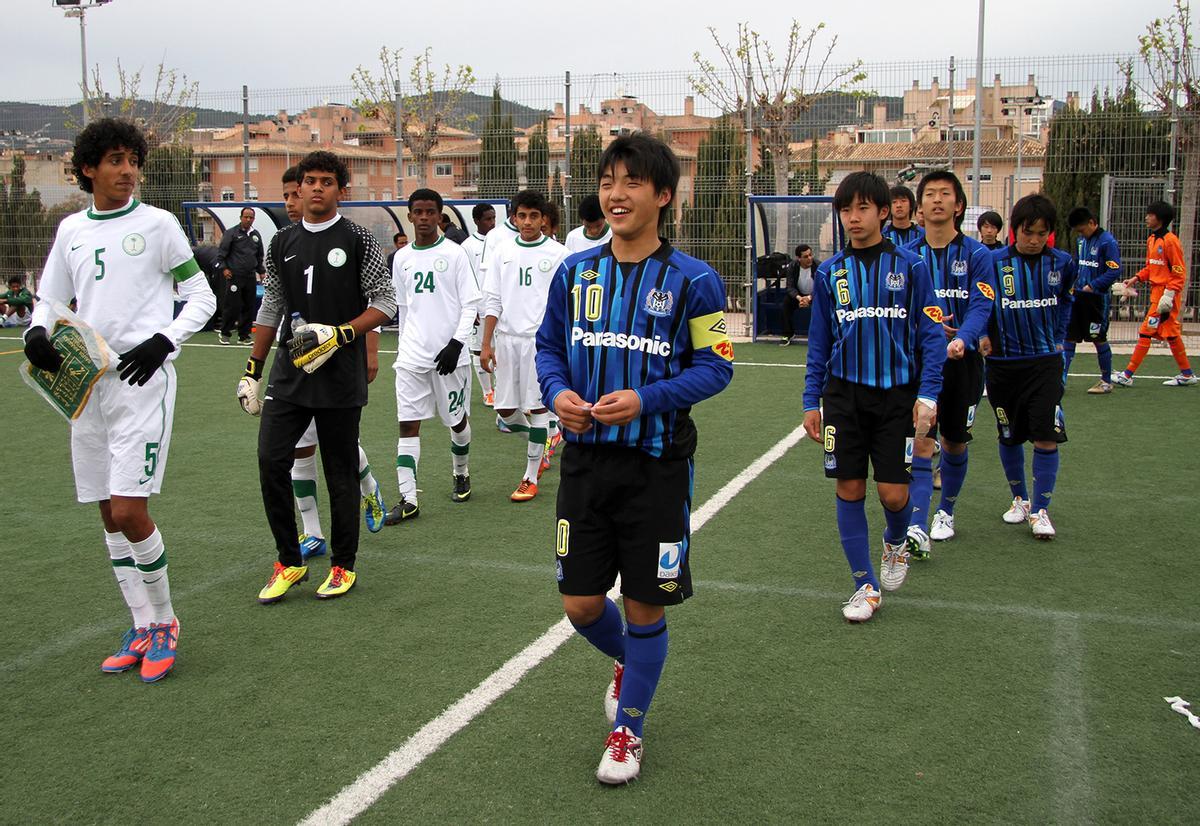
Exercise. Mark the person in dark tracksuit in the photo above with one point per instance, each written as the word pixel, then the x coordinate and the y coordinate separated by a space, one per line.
pixel 240 258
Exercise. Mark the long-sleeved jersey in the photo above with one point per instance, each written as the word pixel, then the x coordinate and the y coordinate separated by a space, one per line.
pixel 1164 261
pixel 1099 261
pixel 516 281
pixel 1033 303
pixel 656 326
pixel 957 269
pixel 121 266
pixel 438 299
pixel 875 322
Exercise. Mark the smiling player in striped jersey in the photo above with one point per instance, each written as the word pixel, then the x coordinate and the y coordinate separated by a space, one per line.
pixel 439 301
pixel 515 284
pixel 122 261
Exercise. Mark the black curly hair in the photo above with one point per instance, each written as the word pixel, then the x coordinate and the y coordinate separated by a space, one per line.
pixel 324 161
pixel 102 136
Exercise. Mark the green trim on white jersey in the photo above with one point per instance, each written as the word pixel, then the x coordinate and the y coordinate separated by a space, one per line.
pixel 106 216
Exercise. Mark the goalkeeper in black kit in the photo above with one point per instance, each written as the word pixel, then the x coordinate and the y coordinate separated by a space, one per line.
pixel 328 284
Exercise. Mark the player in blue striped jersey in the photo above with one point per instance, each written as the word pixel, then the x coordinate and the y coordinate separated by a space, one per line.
pixel 1025 330
pixel 633 336
pixel 1099 261
pixel 875 354
pixel 957 264
pixel 901 230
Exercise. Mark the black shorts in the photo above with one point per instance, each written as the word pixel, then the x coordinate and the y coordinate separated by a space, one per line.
pixel 623 511
pixel 1027 397
pixel 962 388
pixel 1089 318
pixel 860 423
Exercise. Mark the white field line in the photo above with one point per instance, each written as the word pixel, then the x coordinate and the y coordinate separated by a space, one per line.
pixel 373 783
pixel 1091 375
pixel 1069 745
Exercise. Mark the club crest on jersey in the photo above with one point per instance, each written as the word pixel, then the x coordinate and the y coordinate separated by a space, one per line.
pixel 440 265
pixel 336 257
pixel 934 313
pixel 1054 278
pixel 959 267
pixel 589 275
pixel 670 559
pixel 659 303
pixel 544 265
pixel 986 289
pixel 894 281
pixel 133 244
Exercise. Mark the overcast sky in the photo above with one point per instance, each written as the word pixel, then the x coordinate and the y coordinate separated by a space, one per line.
pixel 284 43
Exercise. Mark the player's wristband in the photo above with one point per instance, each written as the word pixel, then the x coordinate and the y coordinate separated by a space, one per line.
pixel 345 334
pixel 932 405
pixel 254 368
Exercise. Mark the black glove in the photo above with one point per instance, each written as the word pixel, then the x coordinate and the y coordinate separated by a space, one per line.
pixel 140 363
pixel 447 360
pixel 40 351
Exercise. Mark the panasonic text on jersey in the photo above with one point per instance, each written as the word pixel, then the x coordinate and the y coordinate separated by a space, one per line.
pixel 621 341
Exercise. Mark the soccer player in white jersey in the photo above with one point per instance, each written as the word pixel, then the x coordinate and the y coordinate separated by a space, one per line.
pixel 304 465
pixel 484 216
pixel 438 300
pixel 121 261
pixel 516 280
pixel 593 230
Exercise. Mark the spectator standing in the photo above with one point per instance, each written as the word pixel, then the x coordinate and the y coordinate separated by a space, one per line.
pixel 240 258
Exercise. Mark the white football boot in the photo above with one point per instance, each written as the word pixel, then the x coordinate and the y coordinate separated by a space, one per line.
pixel 612 694
pixel 942 527
pixel 863 605
pixel 893 570
pixel 1041 526
pixel 622 760
pixel 1018 513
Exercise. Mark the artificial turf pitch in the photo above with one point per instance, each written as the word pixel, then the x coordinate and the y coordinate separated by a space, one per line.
pixel 1009 681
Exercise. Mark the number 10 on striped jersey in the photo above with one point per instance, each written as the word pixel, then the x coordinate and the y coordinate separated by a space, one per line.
pixel 592 303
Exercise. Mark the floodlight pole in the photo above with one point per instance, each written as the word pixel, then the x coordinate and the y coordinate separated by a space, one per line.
pixel 399 129
pixel 950 119
pixel 977 147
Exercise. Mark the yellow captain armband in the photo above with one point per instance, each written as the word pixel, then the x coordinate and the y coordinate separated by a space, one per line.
pixel 710 331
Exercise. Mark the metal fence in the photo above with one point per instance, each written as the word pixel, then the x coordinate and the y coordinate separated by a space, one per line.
pixel 1062 124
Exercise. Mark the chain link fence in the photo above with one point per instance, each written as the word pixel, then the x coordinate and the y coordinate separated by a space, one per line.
pixel 1087 130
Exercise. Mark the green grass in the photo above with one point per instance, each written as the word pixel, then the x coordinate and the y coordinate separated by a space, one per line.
pixel 1010 681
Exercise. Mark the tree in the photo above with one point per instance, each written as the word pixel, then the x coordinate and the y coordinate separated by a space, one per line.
pixel 714 223
pixel 164 117
pixel 783 88
pixel 428 107
pixel 586 149
pixel 171 176
pixel 537 158
pixel 498 154
pixel 24 239
pixel 556 196
pixel 1112 136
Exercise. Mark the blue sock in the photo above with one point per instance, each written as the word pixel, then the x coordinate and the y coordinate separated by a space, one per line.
pixel 1068 354
pixel 1104 356
pixel 897 522
pixel 607 633
pixel 646 651
pixel 856 542
pixel 954 476
pixel 1012 459
pixel 1045 474
pixel 920 491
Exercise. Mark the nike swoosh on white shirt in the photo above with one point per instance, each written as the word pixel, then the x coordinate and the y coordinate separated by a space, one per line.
pixel 289 257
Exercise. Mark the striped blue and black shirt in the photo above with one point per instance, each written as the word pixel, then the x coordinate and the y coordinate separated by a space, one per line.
pixel 1099 261
pixel 958 270
pixel 874 322
pixel 1033 303
pixel 656 326
pixel 903 237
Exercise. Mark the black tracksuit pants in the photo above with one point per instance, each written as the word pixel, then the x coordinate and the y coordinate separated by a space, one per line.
pixel 241 293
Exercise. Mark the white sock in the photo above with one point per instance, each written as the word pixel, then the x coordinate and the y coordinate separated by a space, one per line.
pixel 460 447
pixel 366 479
pixel 128 579
pixel 516 421
pixel 151 559
pixel 552 426
pixel 536 445
pixel 485 378
pixel 408 456
pixel 304 488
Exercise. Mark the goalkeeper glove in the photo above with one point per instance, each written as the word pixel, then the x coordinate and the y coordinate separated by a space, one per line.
pixel 314 344
pixel 40 351
pixel 1166 303
pixel 923 422
pixel 249 389
pixel 447 359
pixel 142 362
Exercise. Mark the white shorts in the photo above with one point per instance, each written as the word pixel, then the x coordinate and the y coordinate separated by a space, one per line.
pixel 423 394
pixel 309 439
pixel 517 385
pixel 119 443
